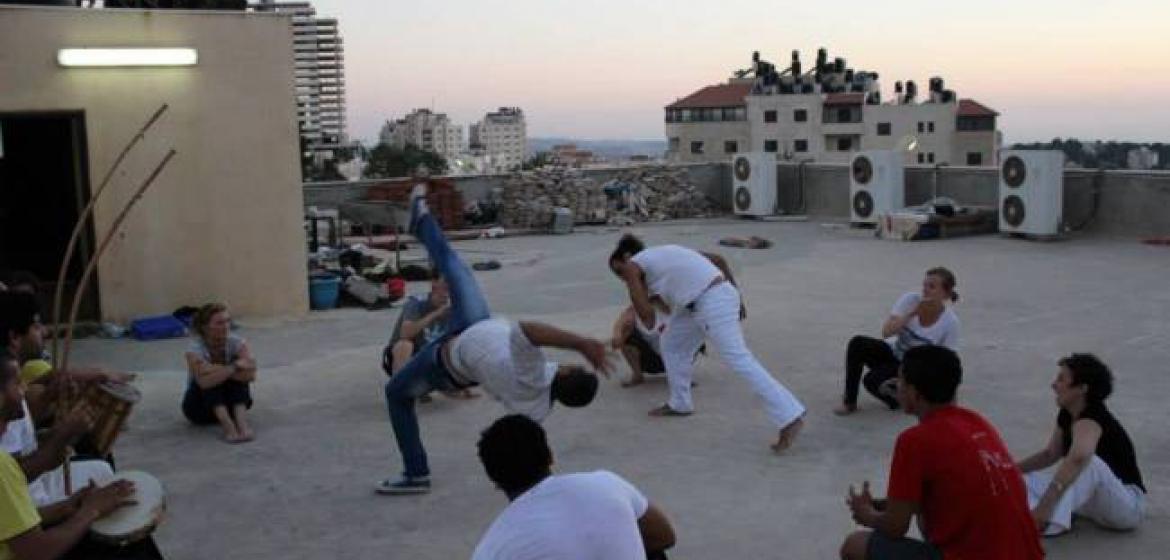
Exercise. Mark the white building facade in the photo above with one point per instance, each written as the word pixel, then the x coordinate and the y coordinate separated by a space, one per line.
pixel 826 117
pixel 500 140
pixel 320 76
pixel 427 130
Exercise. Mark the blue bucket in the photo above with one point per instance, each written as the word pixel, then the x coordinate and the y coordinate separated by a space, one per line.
pixel 324 291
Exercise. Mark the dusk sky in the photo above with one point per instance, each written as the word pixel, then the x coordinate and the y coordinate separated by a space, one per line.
pixel 606 68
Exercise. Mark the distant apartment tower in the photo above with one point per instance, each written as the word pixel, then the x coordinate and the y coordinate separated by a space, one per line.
pixel 427 130
pixel 320 76
pixel 1141 158
pixel 825 115
pixel 501 139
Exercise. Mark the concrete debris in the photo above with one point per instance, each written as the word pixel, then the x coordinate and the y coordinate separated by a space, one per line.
pixel 530 198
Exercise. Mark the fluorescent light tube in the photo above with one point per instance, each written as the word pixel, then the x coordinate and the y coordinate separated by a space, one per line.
pixel 126 57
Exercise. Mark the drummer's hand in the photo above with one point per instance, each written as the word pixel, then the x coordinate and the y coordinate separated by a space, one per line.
pixel 104 500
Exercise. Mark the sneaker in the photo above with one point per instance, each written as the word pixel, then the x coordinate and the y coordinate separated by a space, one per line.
pixel 404 485
pixel 418 205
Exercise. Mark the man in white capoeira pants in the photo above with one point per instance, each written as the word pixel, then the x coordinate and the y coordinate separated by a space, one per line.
pixel 705 304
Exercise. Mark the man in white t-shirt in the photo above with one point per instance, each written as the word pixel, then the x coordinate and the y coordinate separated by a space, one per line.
pixel 705 305
pixel 505 357
pixel 579 516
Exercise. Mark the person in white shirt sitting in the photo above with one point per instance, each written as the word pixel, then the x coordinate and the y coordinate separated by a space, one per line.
pixel 579 516
pixel 917 319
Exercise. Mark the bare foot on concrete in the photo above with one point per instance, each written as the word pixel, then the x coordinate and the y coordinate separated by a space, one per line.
pixel 634 380
pixel 845 409
pixel 788 435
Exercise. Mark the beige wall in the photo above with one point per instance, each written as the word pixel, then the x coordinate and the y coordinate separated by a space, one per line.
pixel 224 220
pixel 712 135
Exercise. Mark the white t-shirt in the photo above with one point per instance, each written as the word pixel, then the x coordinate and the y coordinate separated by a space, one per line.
pixel 676 274
pixel 653 335
pixel 581 516
pixel 944 331
pixel 496 354
pixel 20 440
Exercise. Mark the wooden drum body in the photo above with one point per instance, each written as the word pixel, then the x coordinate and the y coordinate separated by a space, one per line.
pixel 107 406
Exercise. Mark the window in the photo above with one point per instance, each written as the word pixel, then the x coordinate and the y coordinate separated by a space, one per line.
pixel 800 115
pixel 930 126
pixel 674 143
pixel 730 147
pixel 844 115
pixel 921 156
pixel 844 144
pixel 769 116
pixel 883 129
pixel 771 146
pixel 921 127
pixel 930 157
pixel 974 158
pixel 800 146
pixel 696 147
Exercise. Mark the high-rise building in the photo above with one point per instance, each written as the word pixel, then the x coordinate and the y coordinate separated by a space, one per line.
pixel 320 76
pixel 427 130
pixel 501 139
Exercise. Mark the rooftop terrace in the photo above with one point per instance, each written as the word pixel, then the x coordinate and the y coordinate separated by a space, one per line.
pixel 304 489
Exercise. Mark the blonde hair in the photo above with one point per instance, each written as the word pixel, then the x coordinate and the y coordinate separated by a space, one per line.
pixel 203 317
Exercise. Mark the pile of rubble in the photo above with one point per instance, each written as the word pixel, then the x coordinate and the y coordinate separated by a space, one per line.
pixel 530 198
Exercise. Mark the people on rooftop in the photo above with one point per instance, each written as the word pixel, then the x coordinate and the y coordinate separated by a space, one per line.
pixel 587 515
pixel 220 371
pixel 705 304
pixel 1096 473
pixel 917 319
pixel 951 470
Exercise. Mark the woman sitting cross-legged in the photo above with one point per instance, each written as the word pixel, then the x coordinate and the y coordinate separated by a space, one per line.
pixel 221 369
pixel 1098 476
pixel 917 319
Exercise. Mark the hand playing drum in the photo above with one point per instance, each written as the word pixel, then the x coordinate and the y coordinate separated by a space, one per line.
pixel 134 508
pixel 103 500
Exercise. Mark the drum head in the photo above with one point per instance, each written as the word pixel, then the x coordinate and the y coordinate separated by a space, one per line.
pixel 122 391
pixel 133 521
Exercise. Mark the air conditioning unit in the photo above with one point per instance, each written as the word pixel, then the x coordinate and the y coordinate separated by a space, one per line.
pixel 753 179
pixel 877 185
pixel 1031 191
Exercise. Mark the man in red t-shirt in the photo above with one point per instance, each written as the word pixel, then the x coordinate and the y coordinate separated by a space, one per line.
pixel 953 471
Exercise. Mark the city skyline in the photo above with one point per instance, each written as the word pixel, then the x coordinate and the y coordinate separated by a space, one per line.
pixel 607 69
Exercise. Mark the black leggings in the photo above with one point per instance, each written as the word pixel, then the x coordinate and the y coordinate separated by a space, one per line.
pixel 198 403
pixel 862 352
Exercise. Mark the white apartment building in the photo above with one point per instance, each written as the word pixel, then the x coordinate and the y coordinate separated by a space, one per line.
pixel 427 130
pixel 320 76
pixel 824 116
pixel 500 139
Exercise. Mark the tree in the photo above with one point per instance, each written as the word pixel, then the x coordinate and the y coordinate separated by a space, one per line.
pixel 537 161
pixel 386 161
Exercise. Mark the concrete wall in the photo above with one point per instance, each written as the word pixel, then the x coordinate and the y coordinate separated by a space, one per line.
pixel 1130 203
pixel 224 220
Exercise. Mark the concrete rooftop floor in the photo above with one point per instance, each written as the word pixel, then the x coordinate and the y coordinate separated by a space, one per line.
pixel 304 488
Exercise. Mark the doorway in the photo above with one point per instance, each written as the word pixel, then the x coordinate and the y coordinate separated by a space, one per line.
pixel 44 185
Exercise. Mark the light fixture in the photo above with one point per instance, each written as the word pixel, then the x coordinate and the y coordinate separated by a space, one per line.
pixel 127 57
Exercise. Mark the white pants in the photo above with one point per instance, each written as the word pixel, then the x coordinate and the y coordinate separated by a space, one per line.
pixel 1096 494
pixel 49 488
pixel 716 319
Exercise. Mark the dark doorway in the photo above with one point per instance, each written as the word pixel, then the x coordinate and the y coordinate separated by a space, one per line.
pixel 44 186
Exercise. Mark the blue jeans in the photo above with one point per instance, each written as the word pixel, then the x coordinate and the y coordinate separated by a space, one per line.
pixel 425 371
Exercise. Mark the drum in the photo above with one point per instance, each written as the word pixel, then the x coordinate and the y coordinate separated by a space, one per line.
pixel 132 523
pixel 106 406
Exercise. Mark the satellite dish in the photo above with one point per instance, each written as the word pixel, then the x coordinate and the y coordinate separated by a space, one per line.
pixel 908 143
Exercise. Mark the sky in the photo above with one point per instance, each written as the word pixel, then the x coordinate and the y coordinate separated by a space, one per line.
pixel 604 69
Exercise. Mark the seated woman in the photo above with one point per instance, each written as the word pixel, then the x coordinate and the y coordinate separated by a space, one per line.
pixel 1098 476
pixel 917 319
pixel 221 369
